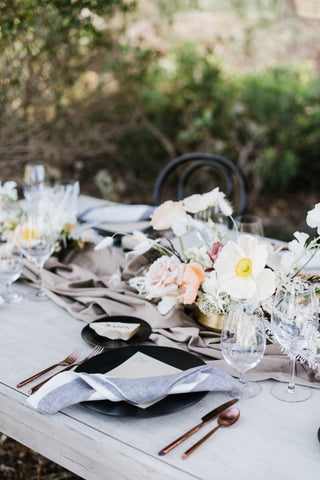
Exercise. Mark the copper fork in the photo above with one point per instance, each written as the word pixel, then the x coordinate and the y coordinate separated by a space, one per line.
pixel 93 353
pixel 71 358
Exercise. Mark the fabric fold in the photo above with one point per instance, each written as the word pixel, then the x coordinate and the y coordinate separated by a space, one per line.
pixel 70 388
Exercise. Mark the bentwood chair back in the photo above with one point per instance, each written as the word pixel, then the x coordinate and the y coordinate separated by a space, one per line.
pixel 198 173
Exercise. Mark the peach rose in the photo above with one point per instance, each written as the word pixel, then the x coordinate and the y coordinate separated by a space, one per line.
pixel 193 275
pixel 164 277
pixel 162 217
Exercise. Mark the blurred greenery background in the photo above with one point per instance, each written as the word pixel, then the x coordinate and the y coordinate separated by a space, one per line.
pixel 107 92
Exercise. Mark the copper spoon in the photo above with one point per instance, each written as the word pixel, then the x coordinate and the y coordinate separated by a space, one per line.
pixel 225 419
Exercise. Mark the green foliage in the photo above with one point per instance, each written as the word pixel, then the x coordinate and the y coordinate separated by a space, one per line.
pixel 267 122
pixel 75 92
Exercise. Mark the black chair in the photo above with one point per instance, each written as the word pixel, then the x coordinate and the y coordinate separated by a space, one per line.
pixel 199 173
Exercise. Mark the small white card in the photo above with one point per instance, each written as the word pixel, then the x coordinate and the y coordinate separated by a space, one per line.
pixel 141 365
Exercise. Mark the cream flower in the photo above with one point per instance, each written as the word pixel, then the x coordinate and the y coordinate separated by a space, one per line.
pixel 162 217
pixel 241 270
pixel 313 218
pixel 197 203
pixel 164 277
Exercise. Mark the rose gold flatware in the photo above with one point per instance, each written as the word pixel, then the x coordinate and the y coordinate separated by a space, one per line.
pixel 93 353
pixel 206 419
pixel 71 358
pixel 225 419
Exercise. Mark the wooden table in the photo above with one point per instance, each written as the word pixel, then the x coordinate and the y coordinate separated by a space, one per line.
pixel 272 439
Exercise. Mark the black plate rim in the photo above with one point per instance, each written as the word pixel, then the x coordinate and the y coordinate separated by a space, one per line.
pixel 92 338
pixel 169 404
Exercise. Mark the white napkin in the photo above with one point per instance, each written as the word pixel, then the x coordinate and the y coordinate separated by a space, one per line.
pixel 69 388
pixel 117 213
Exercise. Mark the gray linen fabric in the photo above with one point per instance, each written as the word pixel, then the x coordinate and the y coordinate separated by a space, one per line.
pixel 70 387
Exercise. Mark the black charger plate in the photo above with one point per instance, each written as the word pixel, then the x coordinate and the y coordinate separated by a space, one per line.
pixel 110 359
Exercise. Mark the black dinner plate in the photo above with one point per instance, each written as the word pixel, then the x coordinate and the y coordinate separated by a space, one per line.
pixel 91 337
pixel 110 359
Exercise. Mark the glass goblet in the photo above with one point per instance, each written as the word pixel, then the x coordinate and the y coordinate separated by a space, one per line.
pixel 243 342
pixel 294 321
pixel 33 181
pixel 37 245
pixel 11 265
pixel 250 225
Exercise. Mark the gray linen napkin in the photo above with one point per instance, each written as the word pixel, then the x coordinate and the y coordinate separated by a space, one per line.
pixel 92 284
pixel 69 388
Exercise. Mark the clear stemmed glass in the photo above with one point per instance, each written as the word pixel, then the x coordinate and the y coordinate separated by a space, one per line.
pixel 243 342
pixel 33 181
pixel 250 225
pixel 294 322
pixel 11 265
pixel 37 245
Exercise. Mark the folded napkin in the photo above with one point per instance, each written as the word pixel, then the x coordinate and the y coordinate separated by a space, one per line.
pixel 69 388
pixel 117 214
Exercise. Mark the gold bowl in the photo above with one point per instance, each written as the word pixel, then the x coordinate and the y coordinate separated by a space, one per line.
pixel 212 322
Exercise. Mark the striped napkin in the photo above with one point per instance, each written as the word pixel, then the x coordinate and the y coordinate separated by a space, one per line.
pixel 69 388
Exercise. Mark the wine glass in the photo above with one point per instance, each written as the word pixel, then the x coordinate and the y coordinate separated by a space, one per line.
pixel 294 321
pixel 37 245
pixel 33 181
pixel 243 342
pixel 11 265
pixel 220 220
pixel 250 225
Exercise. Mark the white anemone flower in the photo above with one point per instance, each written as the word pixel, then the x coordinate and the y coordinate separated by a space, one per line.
pixel 199 202
pixel 297 246
pixel 313 218
pixel 224 205
pixel 195 203
pixel 241 270
pixel 297 249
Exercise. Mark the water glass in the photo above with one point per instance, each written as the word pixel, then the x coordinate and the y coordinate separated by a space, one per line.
pixel 294 322
pixel 37 245
pixel 250 225
pixel 11 265
pixel 243 343
pixel 33 181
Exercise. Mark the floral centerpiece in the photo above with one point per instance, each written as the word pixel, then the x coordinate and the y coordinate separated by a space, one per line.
pixel 215 272
pixel 59 207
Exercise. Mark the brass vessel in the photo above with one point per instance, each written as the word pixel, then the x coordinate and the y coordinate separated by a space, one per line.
pixel 212 322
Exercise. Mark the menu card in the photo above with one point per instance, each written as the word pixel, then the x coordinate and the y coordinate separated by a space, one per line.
pixel 141 365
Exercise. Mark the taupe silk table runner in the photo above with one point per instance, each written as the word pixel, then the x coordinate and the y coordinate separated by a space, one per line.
pixel 92 284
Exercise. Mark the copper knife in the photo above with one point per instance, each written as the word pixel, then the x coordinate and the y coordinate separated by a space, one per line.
pixel 204 420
